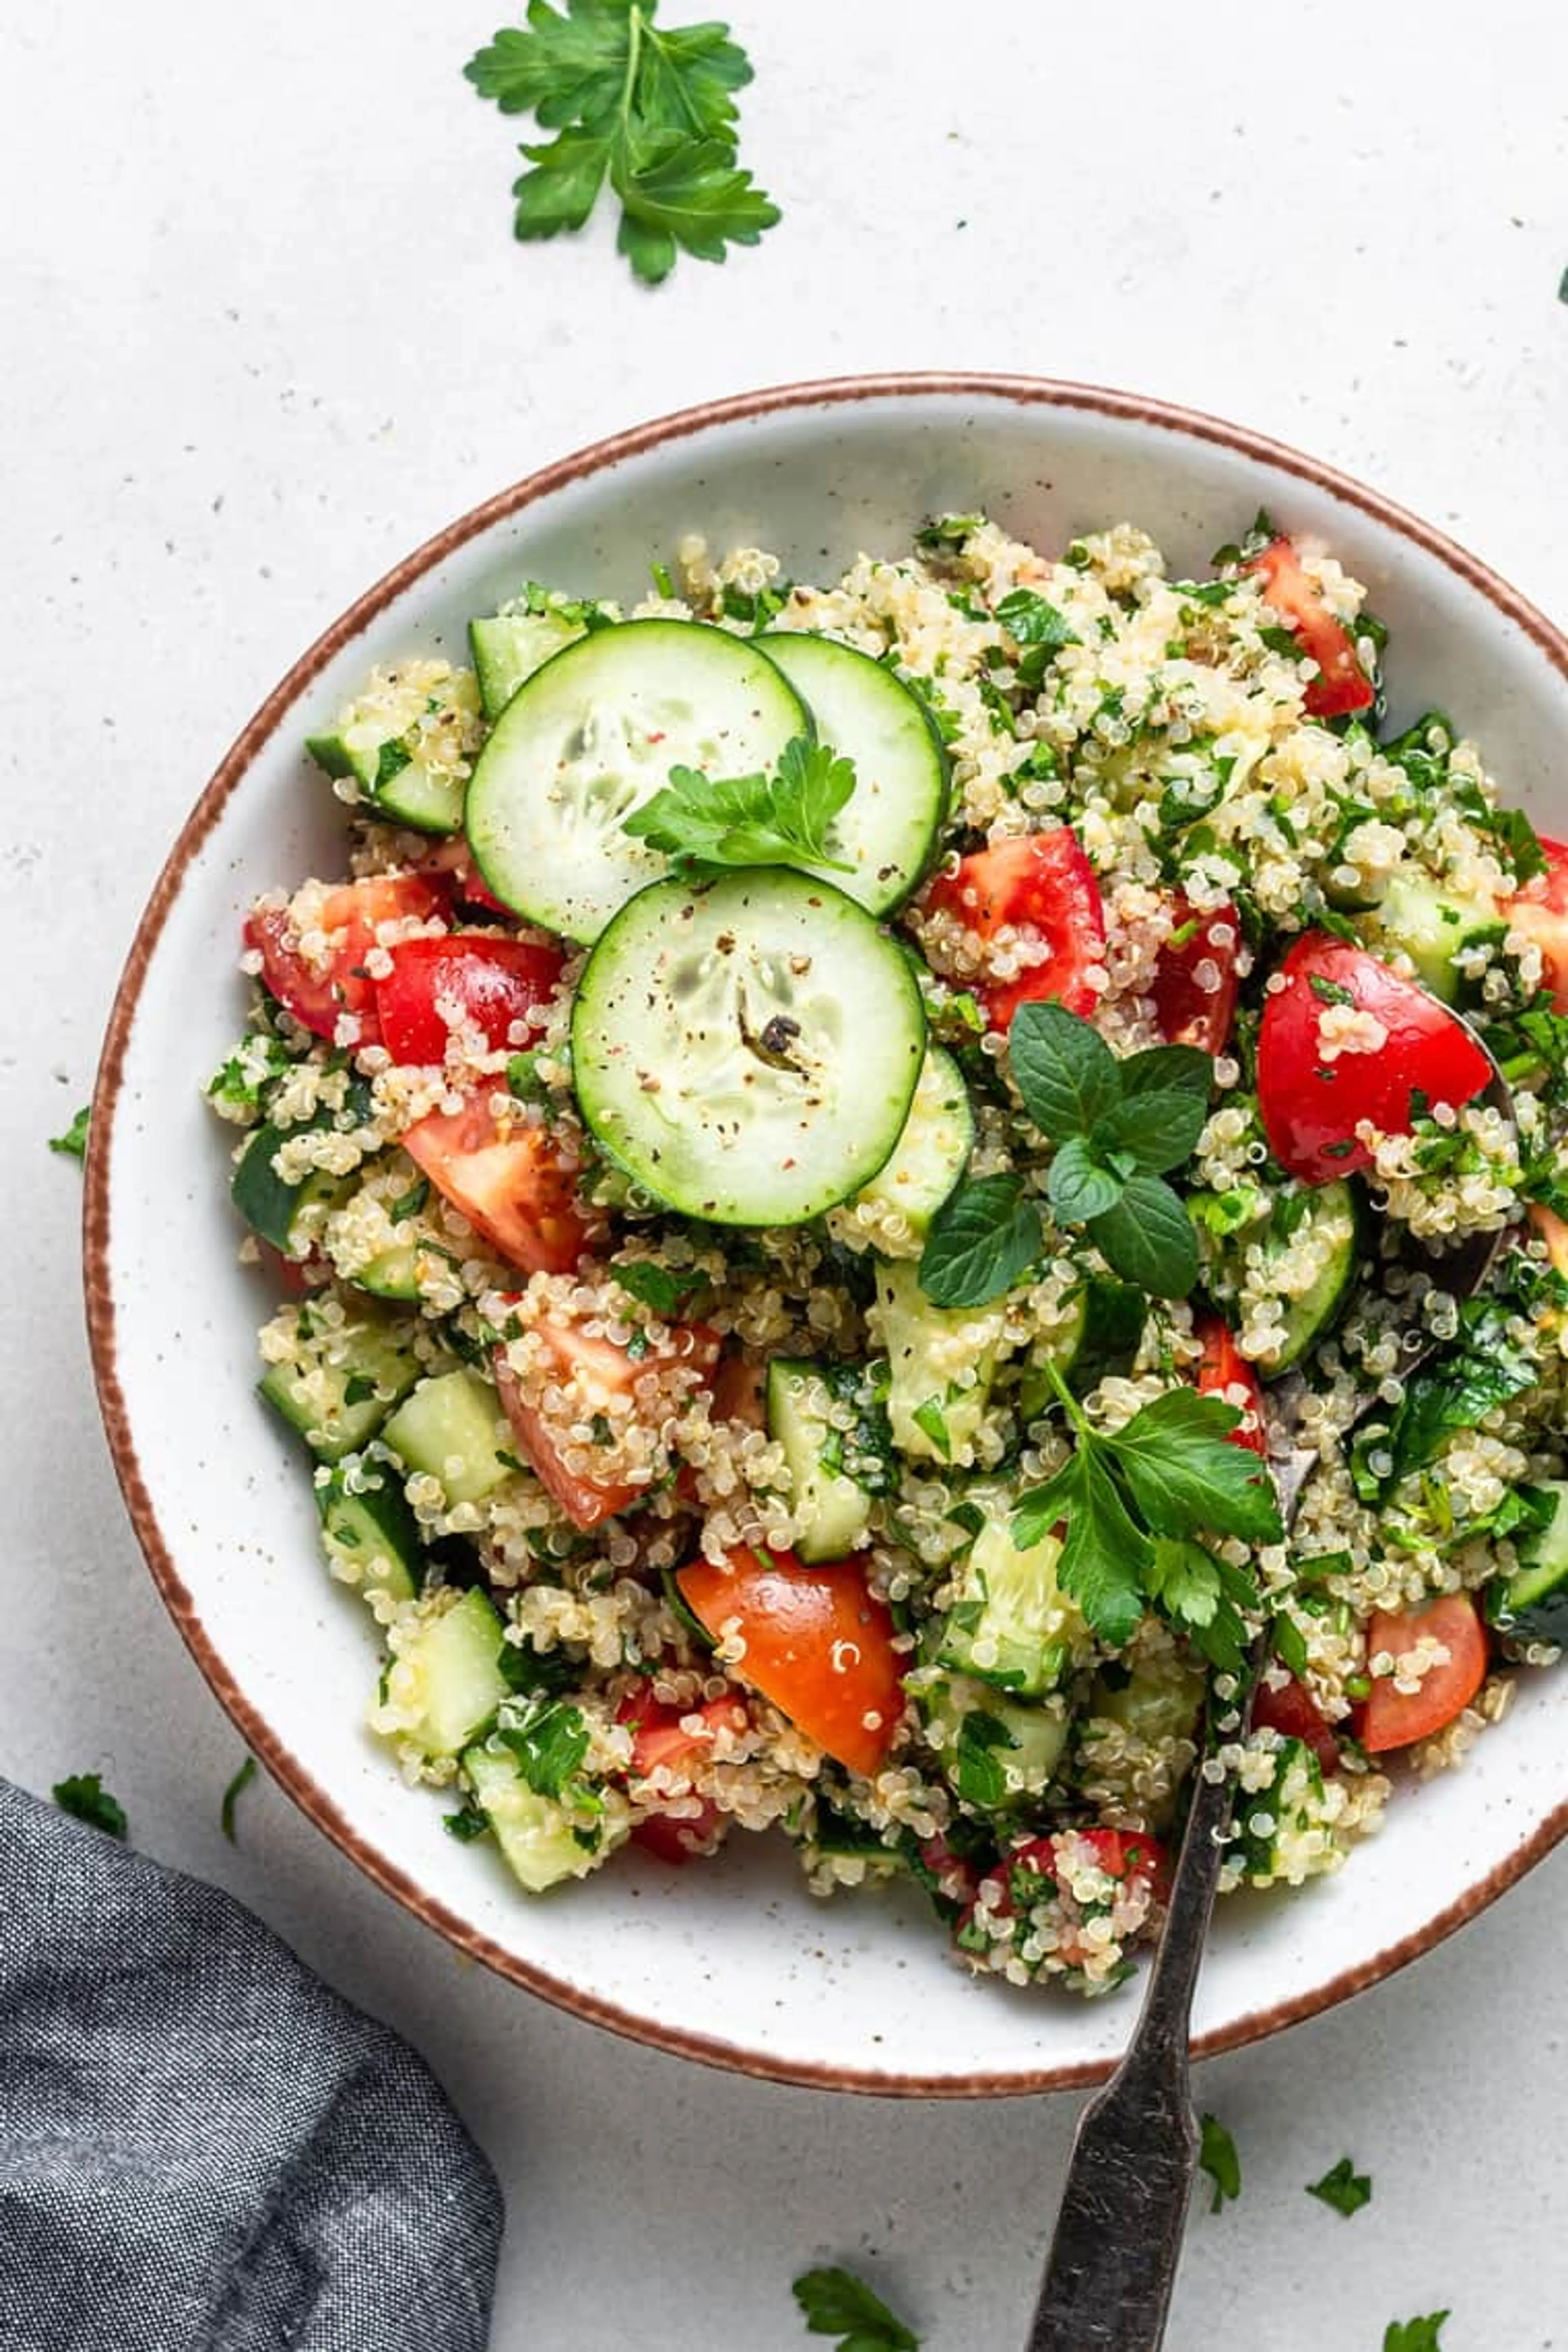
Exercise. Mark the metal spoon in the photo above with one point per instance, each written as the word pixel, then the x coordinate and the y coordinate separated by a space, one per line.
pixel 1112 2264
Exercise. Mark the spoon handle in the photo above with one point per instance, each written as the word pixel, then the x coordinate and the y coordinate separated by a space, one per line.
pixel 1113 2258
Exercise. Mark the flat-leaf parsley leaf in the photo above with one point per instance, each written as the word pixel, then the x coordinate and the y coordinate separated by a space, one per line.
pixel 73 1142
pixel 651 109
pixel 705 825
pixel 836 2302
pixel 1414 2335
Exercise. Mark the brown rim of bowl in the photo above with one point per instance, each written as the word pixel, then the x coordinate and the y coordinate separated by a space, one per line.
pixel 1026 392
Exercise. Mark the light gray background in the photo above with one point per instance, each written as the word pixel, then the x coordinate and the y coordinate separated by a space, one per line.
pixel 265 329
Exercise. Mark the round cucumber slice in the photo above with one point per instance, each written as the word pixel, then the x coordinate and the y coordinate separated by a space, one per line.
pixel 591 736
pixel 747 1051
pixel 886 833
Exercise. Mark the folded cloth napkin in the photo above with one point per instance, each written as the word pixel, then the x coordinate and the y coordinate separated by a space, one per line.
pixel 201 2149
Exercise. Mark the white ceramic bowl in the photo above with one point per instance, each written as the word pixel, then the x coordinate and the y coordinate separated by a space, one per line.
pixel 733 1961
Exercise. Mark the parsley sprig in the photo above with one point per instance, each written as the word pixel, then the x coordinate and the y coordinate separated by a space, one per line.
pixel 1132 1501
pixel 1118 1128
pixel 651 109
pixel 706 825
pixel 836 2302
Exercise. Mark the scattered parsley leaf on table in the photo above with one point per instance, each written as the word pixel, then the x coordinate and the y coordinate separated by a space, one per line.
pixel 650 110
pixel 86 1798
pixel 1344 2187
pixel 1218 2158
pixel 232 1795
pixel 836 2302
pixel 705 825
pixel 73 1142
pixel 1414 2335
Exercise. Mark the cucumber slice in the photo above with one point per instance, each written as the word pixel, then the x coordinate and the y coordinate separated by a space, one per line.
pixel 542 1840
pixel 929 1155
pixel 997 1754
pixel 345 1380
pixel 1301 1246
pixel 886 831
pixel 452 1428
pixel 509 646
pixel 1433 924
pixel 1008 1621
pixel 592 735
pixel 835 1464
pixel 457 1660
pixel 933 1409
pixel 1532 1605
pixel 369 1534
pixel 748 1050
pixel 281 1212
pixel 383 746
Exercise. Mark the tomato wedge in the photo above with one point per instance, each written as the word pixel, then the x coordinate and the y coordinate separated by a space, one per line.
pixel 1127 1855
pixel 1195 981
pixel 1540 911
pixel 1041 882
pixel 1394 1718
pixel 1292 1711
pixel 818 1644
pixel 1341 685
pixel 596 1374
pixel 318 994
pixel 507 1178
pixel 1221 1371
pixel 671 1735
pixel 490 983
pixel 1312 1092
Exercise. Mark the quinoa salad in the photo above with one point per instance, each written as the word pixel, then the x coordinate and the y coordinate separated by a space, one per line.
pixel 802 1154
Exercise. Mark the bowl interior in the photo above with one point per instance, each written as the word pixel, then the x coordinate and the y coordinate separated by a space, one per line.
pixel 735 1960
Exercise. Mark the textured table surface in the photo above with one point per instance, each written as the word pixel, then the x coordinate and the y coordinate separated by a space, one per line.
pixel 265 329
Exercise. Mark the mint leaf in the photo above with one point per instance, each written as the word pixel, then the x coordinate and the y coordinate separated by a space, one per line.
pixel 836 2302
pixel 1414 2335
pixel 649 111
pixel 1167 1070
pixel 1079 1185
pixel 1344 2187
pixel 1183 1473
pixel 707 824
pixel 86 1798
pixel 984 1236
pixel 1065 1071
pixel 1159 1130
pixel 1218 2158
pixel 1148 1239
pixel 1105 1553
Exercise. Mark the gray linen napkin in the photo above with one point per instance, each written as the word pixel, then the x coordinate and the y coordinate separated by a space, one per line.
pixel 201 2149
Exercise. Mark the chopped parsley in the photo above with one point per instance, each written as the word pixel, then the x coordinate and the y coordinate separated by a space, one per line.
pixel 73 1142
pixel 1218 2158
pixel 86 1798
pixel 834 2301
pixel 232 1794
pixel 1344 2187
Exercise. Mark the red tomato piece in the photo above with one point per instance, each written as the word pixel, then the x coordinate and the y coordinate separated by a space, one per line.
pixel 507 1178
pixel 671 1735
pixel 1341 685
pixel 740 1392
pixel 1221 1371
pixel 599 1374
pixel 1202 947
pixel 1127 1855
pixel 1040 882
pixel 819 1644
pixel 454 858
pixel 1292 1711
pixel 316 994
pixel 681 1837
pixel 1540 911
pixel 1311 1099
pixel 492 984
pixel 1394 1718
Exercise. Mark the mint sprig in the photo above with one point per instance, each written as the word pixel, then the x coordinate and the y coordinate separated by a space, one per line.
pixel 706 825
pixel 1132 1503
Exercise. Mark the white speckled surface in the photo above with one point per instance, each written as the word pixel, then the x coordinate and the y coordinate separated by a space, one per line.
pixel 265 329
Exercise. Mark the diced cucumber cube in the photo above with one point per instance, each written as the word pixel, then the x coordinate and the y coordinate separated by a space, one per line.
pixel 543 1839
pixel 455 1660
pixel 452 1428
